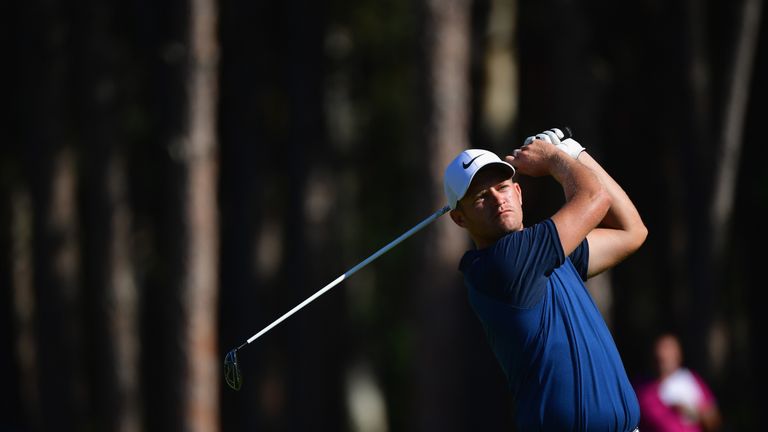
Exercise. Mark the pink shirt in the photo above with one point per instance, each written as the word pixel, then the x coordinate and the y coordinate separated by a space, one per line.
pixel 656 416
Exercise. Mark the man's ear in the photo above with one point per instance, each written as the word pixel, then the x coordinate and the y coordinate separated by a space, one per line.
pixel 519 192
pixel 458 217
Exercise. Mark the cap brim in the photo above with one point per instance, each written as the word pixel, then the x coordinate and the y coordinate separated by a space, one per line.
pixel 500 164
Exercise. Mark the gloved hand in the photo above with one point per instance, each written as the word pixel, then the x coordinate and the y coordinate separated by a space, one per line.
pixel 555 136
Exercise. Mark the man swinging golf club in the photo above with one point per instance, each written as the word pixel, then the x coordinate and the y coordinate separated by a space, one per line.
pixel 526 284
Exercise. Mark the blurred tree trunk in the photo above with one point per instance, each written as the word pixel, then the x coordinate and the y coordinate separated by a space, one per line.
pixel 737 97
pixel 23 404
pixel 109 275
pixel 495 74
pixel 495 96
pixel 58 293
pixel 440 299
pixel 195 180
pixel 20 402
pixel 189 361
pixel 727 157
pixel 50 164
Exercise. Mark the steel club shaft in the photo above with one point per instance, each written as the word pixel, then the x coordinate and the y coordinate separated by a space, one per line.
pixel 349 273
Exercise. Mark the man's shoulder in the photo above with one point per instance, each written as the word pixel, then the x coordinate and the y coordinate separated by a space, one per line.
pixel 521 247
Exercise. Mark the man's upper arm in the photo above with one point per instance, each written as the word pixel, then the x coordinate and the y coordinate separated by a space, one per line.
pixel 607 248
pixel 577 218
pixel 621 232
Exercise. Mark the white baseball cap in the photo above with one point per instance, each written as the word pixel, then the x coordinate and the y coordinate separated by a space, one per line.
pixel 462 170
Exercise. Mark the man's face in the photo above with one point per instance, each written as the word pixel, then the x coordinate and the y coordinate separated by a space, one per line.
pixel 491 207
pixel 669 355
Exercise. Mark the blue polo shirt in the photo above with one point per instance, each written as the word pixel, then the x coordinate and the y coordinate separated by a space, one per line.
pixel 558 355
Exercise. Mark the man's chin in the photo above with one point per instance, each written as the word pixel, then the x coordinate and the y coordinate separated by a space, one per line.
pixel 508 223
pixel 507 229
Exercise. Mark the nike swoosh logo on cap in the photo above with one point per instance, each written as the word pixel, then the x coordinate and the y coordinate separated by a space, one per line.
pixel 466 165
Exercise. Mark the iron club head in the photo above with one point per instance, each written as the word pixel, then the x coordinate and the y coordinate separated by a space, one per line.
pixel 232 371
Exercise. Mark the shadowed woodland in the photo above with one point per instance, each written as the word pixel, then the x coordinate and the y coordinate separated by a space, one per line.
pixel 176 175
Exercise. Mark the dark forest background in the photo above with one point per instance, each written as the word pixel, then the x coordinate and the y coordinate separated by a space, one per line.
pixel 176 175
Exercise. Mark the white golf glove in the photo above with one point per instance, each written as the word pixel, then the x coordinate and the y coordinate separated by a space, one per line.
pixel 554 136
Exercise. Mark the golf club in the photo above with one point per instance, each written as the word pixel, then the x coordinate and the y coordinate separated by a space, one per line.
pixel 232 373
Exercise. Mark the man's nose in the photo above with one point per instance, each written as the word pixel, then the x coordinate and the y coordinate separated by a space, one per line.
pixel 498 197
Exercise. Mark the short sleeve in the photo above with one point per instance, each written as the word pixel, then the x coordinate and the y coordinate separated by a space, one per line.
pixel 580 259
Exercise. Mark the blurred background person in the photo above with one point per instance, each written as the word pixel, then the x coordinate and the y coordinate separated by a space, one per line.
pixel 676 398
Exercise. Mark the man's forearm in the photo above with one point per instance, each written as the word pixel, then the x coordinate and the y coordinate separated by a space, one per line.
pixel 575 180
pixel 586 201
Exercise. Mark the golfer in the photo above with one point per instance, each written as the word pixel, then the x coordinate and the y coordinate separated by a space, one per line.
pixel 526 284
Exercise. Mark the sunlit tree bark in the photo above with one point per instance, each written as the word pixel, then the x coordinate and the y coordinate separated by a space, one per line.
pixel 190 367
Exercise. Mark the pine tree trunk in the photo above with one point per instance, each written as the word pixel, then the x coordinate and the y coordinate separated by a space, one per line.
pixel 191 363
pixel 51 167
pixel 22 319
pixel 112 298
